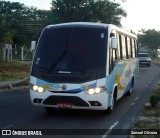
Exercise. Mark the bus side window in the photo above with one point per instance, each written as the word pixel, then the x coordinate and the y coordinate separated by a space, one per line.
pixel 123 47
pixel 126 46
pixel 120 47
pixel 113 59
pixel 129 48
pixel 132 48
pixel 135 47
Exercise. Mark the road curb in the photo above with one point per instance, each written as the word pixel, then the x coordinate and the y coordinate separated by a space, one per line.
pixel 10 84
pixel 15 89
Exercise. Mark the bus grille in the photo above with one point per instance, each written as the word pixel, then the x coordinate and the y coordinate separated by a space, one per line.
pixel 76 101
pixel 75 92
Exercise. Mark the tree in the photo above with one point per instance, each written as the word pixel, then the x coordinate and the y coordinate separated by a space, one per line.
pixel 87 10
pixel 2 27
pixel 151 39
pixel 109 12
pixel 20 24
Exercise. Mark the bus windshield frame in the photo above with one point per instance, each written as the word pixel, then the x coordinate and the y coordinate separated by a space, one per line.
pixel 71 49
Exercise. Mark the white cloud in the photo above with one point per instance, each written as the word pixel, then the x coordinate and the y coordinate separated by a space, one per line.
pixel 46 6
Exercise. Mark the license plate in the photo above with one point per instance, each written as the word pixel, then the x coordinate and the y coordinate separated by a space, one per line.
pixel 64 105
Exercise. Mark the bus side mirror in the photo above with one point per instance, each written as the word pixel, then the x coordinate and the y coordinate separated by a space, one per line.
pixel 113 43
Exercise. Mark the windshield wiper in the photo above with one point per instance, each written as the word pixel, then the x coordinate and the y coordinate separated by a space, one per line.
pixel 60 58
pixel 75 55
pixel 73 52
pixel 66 49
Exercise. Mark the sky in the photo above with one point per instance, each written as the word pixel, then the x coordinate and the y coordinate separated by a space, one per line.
pixel 41 4
pixel 141 14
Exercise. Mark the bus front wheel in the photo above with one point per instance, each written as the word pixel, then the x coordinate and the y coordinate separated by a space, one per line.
pixel 114 98
pixel 110 108
pixel 49 109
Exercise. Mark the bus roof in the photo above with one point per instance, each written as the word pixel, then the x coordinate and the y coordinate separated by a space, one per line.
pixel 89 24
pixel 79 24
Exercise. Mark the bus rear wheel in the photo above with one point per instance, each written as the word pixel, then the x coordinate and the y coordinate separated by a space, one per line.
pixel 129 92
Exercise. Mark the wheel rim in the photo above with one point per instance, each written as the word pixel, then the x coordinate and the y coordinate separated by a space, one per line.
pixel 130 91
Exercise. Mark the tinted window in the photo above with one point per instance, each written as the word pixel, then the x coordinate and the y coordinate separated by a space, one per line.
pixel 143 55
pixel 123 47
pixel 133 49
pixel 72 49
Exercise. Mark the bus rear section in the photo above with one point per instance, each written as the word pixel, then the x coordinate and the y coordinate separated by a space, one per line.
pixel 69 67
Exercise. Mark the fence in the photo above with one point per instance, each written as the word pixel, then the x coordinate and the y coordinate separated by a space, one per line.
pixel 15 54
pixel 21 54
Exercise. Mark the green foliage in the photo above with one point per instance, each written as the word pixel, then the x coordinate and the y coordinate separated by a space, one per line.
pixel 151 39
pixel 154 99
pixel 87 11
pixel 20 24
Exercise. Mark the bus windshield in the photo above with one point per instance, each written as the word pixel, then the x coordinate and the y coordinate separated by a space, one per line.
pixel 72 49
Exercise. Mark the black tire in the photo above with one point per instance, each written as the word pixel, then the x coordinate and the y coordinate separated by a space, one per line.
pixel 129 92
pixel 49 109
pixel 114 98
pixel 109 110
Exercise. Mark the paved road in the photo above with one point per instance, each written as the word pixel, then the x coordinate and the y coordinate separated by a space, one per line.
pixel 17 112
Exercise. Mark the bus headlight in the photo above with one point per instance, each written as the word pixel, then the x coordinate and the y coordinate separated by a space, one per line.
pixel 37 88
pixel 91 91
pixel 40 89
pixel 96 90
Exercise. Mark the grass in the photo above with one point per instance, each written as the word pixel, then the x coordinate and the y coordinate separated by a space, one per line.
pixel 156 60
pixel 149 113
pixel 143 125
pixel 13 71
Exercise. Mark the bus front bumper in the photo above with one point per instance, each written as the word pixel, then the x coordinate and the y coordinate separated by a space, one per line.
pixel 79 100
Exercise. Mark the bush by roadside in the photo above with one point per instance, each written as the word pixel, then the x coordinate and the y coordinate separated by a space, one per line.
pixel 156 60
pixel 149 118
